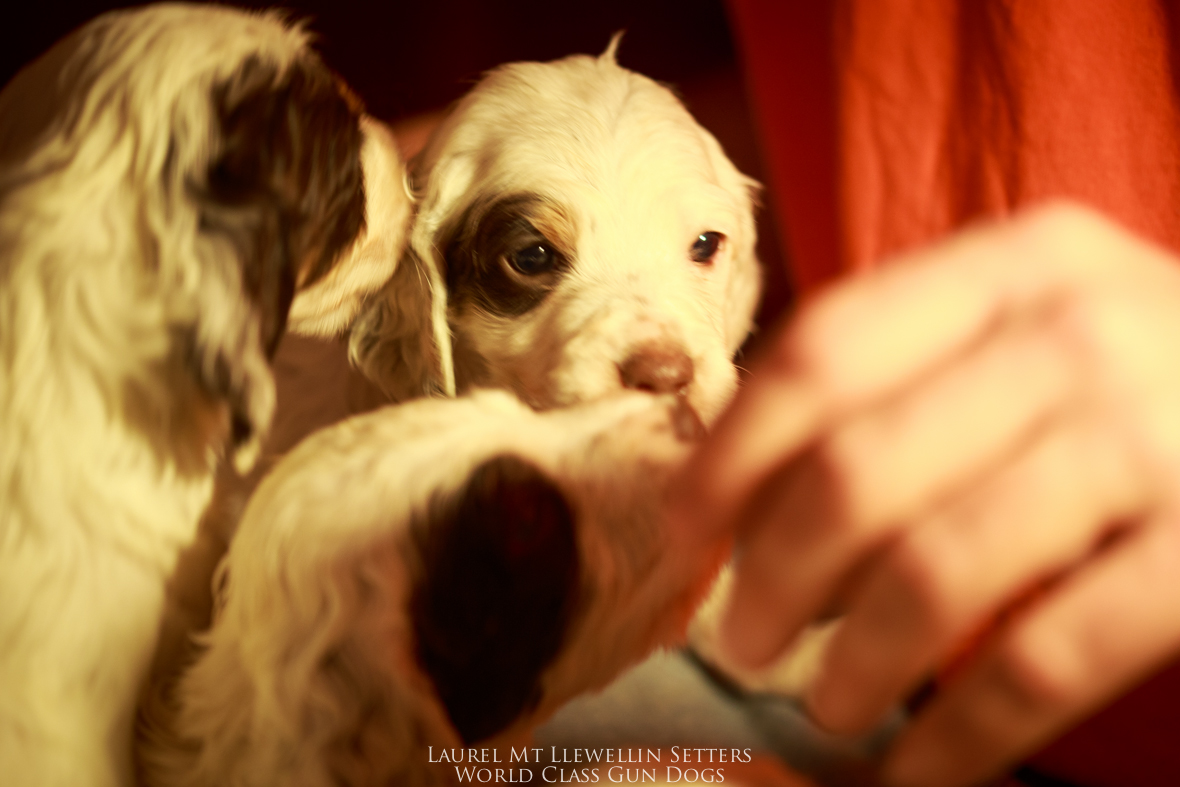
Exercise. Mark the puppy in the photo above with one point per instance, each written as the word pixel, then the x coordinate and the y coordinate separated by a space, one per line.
pixel 580 233
pixel 170 178
pixel 434 574
pixel 590 237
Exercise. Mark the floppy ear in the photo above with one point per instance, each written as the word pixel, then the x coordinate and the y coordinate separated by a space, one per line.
pixel 284 195
pixel 286 188
pixel 401 340
pixel 745 284
pixel 328 306
pixel 496 593
pixel 745 281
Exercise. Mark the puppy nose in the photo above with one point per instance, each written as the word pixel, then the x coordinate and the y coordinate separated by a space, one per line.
pixel 657 367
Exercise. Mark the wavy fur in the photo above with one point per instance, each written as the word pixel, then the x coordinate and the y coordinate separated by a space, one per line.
pixel 166 184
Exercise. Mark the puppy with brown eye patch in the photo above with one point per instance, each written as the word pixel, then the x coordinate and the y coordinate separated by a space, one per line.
pixel 605 244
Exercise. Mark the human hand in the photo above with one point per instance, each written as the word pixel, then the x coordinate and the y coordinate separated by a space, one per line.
pixel 925 444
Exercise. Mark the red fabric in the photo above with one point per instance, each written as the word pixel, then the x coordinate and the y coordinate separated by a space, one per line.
pixel 792 84
pixel 887 123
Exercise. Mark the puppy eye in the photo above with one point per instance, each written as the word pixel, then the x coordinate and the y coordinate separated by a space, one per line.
pixel 533 260
pixel 704 248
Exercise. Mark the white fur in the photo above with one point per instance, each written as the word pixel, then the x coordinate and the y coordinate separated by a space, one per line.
pixel 637 178
pixel 320 572
pixel 106 444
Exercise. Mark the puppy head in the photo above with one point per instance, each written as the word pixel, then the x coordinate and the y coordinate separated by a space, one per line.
pixel 179 172
pixel 592 237
pixel 548 569
pixel 444 572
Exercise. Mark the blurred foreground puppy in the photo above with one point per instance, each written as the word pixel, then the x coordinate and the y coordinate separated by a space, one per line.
pixel 591 237
pixel 170 178
pixel 435 574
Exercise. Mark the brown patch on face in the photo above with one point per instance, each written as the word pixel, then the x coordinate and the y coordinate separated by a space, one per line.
pixel 492 253
pixel 496 593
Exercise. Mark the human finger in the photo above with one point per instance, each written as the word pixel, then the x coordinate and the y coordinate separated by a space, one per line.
pixel 874 474
pixel 1098 632
pixel 941 581
pixel 868 336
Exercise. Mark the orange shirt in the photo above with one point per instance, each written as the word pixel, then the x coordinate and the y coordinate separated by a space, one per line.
pixel 887 123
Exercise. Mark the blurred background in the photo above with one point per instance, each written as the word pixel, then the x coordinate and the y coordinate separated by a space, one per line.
pixel 410 60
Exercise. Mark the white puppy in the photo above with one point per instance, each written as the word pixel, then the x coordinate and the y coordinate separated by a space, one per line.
pixel 434 574
pixel 591 237
pixel 170 177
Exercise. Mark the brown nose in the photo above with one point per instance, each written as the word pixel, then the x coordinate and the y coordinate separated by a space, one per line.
pixel 657 367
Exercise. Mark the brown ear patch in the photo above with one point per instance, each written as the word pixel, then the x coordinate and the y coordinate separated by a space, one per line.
pixel 497 592
pixel 286 187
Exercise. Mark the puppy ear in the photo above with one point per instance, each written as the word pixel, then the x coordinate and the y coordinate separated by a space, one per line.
pixel 496 594
pixel 328 306
pixel 745 281
pixel 284 194
pixel 286 188
pixel 402 340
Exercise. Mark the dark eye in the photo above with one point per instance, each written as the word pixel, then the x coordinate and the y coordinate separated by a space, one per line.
pixel 533 260
pixel 704 248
